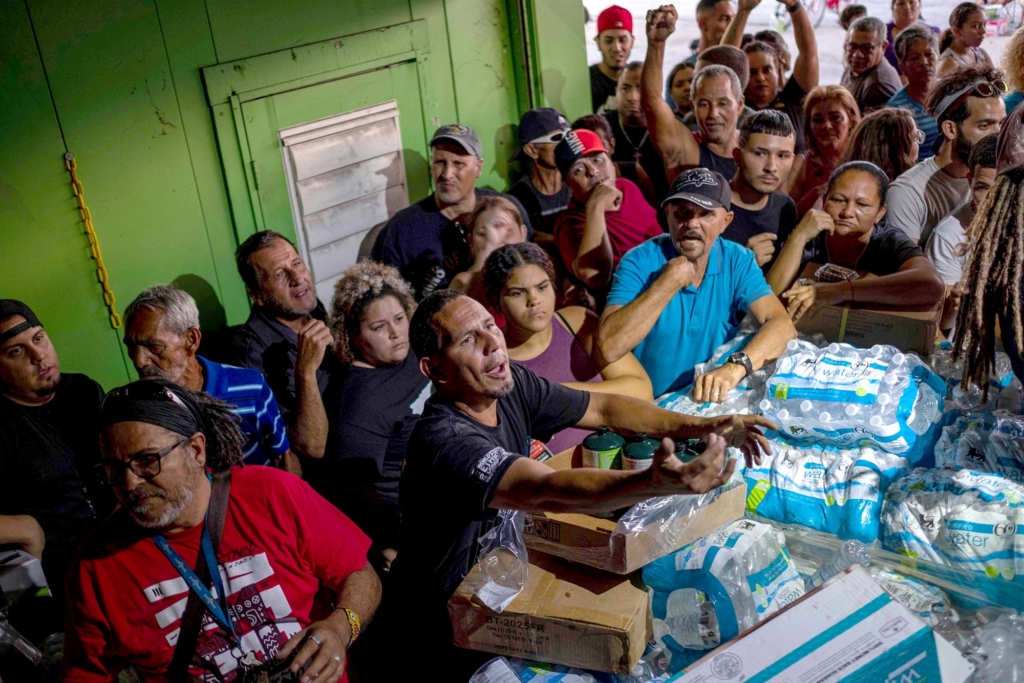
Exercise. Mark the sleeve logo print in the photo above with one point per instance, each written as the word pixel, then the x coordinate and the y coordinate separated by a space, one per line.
pixel 488 464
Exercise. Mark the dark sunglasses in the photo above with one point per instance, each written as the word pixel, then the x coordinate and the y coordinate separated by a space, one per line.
pixel 145 465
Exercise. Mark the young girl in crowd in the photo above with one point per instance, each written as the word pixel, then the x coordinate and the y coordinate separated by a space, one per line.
pixel 830 114
pixel 852 235
pixel 677 88
pixel 559 346
pixel 888 138
pixel 960 44
pixel 495 222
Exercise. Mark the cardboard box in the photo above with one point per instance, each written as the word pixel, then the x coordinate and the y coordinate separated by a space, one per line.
pixel 847 630
pixel 593 541
pixel 566 614
pixel 861 326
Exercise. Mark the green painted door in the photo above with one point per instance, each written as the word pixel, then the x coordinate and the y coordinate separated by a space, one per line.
pixel 263 118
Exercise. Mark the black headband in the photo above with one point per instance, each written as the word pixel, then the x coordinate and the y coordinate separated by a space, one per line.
pixel 154 401
pixel 12 307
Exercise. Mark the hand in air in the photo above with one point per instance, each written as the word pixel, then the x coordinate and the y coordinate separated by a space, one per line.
pixel 661 23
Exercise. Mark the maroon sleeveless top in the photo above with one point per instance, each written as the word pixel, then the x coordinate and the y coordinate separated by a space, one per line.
pixel 565 360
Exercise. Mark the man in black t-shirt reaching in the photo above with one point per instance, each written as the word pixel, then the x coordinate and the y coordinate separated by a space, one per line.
pixel 465 459
pixel 49 445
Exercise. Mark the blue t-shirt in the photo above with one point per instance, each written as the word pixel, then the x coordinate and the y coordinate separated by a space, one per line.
pixel 1013 100
pixel 262 424
pixel 901 100
pixel 697 320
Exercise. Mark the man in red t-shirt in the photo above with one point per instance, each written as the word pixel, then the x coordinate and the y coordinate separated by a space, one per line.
pixel 606 216
pixel 281 544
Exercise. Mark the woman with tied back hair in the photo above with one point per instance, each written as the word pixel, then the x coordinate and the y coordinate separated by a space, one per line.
pixel 830 114
pixel 677 89
pixel 372 403
pixel 888 138
pixel 495 222
pixel 993 281
pixel 853 236
pixel 559 346
pixel 960 44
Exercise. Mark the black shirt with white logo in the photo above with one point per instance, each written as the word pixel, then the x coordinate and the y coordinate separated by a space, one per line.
pixel 452 469
pixel 602 89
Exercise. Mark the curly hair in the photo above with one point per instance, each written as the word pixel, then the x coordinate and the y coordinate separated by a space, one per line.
pixel 829 94
pixel 884 138
pixel 500 265
pixel 1013 60
pixel 953 82
pixel 225 442
pixel 360 286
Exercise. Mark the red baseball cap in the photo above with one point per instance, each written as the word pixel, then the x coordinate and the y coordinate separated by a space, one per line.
pixel 615 17
pixel 575 145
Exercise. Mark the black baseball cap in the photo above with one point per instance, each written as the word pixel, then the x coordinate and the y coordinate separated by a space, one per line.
pixel 464 136
pixel 706 188
pixel 537 123
pixel 12 307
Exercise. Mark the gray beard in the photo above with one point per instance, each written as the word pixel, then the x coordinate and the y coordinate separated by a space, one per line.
pixel 155 372
pixel 178 500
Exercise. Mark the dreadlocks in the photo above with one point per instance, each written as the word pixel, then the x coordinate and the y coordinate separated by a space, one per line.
pixel 224 438
pixel 993 279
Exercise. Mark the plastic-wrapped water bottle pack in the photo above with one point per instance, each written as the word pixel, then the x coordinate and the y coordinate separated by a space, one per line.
pixel 959 518
pixel 987 442
pixel 833 490
pixel 844 396
pixel 1004 387
pixel 707 592
pixel 1002 642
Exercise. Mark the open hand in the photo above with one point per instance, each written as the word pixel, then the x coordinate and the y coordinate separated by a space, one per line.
pixel 321 650
pixel 745 433
pixel 661 23
pixel 704 473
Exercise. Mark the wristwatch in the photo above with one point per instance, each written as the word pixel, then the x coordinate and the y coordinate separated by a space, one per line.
pixel 742 359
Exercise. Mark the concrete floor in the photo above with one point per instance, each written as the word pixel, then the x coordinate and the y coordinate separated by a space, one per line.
pixel 829 34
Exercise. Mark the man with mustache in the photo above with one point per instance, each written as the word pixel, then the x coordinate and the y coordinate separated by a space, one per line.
pixel 760 211
pixel 427 242
pixel 286 337
pixel 615 41
pixel 968 106
pixel 466 461
pixel 675 298
pixel 869 77
pixel 607 216
pixel 49 500
pixel 161 331
pixel 209 567
pixel 717 103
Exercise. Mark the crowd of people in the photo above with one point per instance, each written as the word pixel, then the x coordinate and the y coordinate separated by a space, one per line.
pixel 224 516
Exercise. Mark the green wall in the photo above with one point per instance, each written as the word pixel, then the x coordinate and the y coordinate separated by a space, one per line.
pixel 118 84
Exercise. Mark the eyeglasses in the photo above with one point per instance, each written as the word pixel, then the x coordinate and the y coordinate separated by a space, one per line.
pixel 951 101
pixel 862 48
pixel 145 466
pixel 550 137
pixel 920 135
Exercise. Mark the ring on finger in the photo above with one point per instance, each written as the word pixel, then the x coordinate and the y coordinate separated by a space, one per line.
pixel 336 657
pixel 317 639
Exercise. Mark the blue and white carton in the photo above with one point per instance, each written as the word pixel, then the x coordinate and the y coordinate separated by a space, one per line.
pixel 848 630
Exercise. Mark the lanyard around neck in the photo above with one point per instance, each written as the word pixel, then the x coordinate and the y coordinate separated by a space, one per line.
pixel 217 607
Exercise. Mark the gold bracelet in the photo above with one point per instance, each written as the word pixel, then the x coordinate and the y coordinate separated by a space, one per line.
pixel 354 624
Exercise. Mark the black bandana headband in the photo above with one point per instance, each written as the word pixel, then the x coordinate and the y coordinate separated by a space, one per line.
pixel 12 307
pixel 153 401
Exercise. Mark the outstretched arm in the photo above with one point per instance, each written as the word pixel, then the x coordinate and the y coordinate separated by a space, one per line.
pixel 805 71
pixel 734 34
pixel 673 140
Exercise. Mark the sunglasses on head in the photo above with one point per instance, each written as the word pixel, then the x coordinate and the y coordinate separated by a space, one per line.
pixel 145 391
pixel 550 137
pixel 985 88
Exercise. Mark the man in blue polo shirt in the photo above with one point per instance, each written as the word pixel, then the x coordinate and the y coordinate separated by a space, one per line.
pixel 676 298
pixel 161 331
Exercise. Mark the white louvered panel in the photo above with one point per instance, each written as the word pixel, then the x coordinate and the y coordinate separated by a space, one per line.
pixel 345 148
pixel 351 182
pixel 358 215
pixel 334 258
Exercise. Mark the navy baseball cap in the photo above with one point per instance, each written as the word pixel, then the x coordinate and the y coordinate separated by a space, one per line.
pixel 706 188
pixel 538 123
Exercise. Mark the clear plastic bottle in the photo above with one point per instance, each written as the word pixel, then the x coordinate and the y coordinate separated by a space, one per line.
pixel 690 617
pixel 9 637
pixel 850 553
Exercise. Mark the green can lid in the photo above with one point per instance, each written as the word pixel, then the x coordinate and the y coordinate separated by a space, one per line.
pixel 641 446
pixel 604 439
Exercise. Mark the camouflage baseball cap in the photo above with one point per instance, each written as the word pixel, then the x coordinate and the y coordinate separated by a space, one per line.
pixel 464 136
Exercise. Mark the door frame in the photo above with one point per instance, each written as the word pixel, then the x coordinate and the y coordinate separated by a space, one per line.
pixel 230 84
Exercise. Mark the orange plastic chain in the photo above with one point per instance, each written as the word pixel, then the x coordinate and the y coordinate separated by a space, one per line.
pixel 94 242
